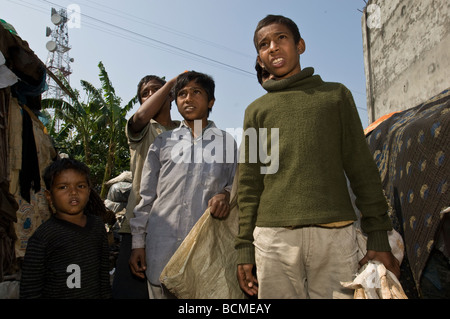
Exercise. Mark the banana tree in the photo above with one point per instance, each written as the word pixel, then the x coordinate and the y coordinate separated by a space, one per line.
pixel 93 131
pixel 111 120
pixel 75 118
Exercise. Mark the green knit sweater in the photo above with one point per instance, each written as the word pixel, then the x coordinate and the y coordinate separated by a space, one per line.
pixel 321 141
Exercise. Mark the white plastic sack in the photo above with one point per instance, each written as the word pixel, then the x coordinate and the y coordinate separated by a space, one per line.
pixel 376 282
pixel 395 240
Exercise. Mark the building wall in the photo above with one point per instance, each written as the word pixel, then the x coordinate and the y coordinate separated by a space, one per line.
pixel 406 53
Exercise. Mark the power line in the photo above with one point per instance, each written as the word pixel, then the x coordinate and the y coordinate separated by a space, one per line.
pixel 134 18
pixel 202 57
pixel 163 46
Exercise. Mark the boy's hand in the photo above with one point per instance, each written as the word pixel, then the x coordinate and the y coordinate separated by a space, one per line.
pixel 219 205
pixel 137 262
pixel 247 281
pixel 386 258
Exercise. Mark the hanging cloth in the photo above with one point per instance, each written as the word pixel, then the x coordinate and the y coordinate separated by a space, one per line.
pixel 29 176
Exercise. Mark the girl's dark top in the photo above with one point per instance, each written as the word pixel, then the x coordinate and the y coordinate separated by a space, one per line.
pixel 64 260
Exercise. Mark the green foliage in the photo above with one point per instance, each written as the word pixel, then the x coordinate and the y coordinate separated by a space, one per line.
pixel 92 131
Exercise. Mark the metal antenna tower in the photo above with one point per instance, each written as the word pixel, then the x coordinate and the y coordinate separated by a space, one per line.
pixel 58 60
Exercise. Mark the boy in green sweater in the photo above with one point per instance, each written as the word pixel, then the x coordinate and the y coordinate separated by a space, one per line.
pixel 296 225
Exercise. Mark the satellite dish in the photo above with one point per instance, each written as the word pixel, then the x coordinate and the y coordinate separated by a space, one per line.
pixel 51 46
pixel 56 19
pixel 48 31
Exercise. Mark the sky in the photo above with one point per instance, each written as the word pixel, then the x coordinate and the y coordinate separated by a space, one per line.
pixel 138 37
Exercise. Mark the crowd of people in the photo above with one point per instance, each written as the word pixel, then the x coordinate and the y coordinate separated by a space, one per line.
pixel 296 235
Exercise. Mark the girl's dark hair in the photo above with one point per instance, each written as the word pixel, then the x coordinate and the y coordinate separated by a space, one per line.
pixel 271 19
pixel 145 80
pixel 95 205
pixel 56 167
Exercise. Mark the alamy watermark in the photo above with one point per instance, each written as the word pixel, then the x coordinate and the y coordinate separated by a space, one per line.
pixel 262 144
pixel 73 16
pixel 74 279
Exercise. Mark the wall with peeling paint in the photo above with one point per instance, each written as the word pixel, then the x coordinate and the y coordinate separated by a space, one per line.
pixel 406 53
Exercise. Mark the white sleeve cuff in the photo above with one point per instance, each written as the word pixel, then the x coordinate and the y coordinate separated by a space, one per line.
pixel 138 241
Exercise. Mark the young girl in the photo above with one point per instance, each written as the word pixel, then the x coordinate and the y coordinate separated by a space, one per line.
pixel 68 255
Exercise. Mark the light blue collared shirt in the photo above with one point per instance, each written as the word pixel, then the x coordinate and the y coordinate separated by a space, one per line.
pixel 180 175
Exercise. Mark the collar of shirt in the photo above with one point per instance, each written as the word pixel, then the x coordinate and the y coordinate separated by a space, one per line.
pixel 210 129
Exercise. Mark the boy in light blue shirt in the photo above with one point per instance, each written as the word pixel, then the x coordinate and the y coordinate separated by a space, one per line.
pixel 186 171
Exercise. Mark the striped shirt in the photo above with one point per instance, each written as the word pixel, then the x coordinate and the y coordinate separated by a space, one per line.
pixel 67 261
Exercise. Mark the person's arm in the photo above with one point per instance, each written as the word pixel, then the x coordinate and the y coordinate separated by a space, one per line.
pixel 33 270
pixel 385 257
pixel 365 182
pixel 137 262
pixel 105 286
pixel 219 204
pixel 138 224
pixel 247 281
pixel 250 188
pixel 248 205
pixel 151 107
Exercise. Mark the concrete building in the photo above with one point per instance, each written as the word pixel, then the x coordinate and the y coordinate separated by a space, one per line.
pixel 406 53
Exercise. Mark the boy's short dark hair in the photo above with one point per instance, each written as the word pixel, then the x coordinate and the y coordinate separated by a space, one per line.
pixel 271 19
pixel 204 80
pixel 56 167
pixel 145 80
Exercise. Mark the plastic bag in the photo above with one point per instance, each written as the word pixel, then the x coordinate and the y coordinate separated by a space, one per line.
pixel 395 241
pixel 376 282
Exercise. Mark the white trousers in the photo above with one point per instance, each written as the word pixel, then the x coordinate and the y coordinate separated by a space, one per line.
pixel 307 262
